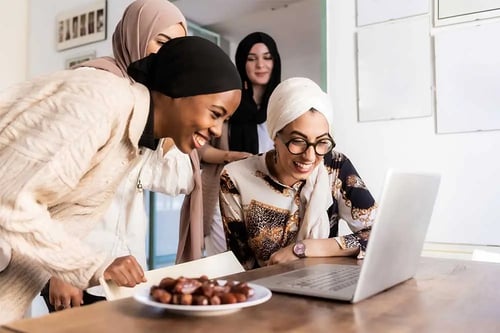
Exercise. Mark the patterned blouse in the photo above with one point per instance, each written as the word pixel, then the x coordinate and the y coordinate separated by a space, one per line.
pixel 261 215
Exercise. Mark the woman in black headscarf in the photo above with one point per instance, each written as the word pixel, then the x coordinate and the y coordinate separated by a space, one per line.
pixel 67 139
pixel 259 65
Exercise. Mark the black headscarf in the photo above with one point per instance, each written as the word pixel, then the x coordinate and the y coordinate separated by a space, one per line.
pixel 187 66
pixel 243 123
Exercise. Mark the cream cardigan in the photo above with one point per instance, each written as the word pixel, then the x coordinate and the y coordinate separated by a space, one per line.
pixel 66 141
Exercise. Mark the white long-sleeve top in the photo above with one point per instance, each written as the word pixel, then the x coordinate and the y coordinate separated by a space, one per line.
pixel 122 229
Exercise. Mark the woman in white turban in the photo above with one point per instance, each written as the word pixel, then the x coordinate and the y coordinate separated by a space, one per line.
pixel 286 204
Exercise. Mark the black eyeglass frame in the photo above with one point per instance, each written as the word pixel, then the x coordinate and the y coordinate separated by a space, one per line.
pixel 308 144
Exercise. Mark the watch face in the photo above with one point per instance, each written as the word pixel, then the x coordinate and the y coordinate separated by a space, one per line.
pixel 299 249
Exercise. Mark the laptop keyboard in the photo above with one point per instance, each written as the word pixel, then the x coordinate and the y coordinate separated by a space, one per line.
pixel 342 277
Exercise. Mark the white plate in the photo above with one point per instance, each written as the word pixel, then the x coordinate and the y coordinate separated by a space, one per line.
pixel 261 295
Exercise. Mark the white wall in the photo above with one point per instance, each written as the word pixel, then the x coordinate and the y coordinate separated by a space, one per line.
pixel 298 58
pixel 466 208
pixel 43 57
pixel 470 193
pixel 299 43
pixel 13 34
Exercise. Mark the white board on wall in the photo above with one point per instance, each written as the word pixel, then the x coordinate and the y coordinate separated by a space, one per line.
pixel 375 11
pixel 394 70
pixel 456 11
pixel 468 78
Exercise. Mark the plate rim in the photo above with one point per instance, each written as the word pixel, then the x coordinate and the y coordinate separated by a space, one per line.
pixel 142 296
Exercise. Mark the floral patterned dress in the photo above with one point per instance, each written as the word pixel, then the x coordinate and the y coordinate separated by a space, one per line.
pixel 260 215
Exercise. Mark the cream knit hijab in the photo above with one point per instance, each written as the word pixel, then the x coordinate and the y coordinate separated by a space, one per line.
pixel 291 99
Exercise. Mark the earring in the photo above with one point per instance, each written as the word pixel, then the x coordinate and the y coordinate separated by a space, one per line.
pixel 275 156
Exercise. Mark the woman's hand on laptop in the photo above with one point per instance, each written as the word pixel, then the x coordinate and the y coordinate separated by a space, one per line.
pixel 327 247
pixel 283 255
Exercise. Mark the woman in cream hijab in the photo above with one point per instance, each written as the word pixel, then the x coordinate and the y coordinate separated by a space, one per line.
pixel 286 204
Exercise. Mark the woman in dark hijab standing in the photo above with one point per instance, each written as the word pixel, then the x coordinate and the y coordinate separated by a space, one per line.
pixel 259 65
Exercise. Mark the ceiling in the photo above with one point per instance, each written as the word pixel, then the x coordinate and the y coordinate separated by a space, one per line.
pixel 234 19
pixel 209 12
pixel 295 25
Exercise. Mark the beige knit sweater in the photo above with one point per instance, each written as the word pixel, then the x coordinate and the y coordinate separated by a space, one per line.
pixel 66 140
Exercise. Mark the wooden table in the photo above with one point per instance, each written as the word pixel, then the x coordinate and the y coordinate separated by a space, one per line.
pixel 445 296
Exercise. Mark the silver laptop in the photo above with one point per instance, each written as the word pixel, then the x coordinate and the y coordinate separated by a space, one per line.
pixel 393 250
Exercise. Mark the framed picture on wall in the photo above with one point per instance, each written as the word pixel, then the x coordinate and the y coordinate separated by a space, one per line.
pixel 78 60
pixel 81 25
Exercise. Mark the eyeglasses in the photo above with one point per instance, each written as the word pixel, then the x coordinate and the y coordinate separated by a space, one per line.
pixel 297 146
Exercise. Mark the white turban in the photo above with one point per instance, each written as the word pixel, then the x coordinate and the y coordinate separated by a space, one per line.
pixel 291 99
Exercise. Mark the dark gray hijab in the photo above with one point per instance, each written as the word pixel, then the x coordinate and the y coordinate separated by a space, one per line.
pixel 187 66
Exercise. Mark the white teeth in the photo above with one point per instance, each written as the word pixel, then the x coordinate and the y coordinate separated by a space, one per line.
pixel 304 165
pixel 200 140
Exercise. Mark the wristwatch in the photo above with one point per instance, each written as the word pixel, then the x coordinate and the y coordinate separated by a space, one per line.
pixel 299 249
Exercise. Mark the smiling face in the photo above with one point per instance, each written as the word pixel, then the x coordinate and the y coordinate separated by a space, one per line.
pixel 259 65
pixel 313 127
pixel 192 121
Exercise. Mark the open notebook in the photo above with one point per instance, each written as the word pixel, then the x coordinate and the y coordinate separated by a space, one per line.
pixel 393 251
pixel 213 266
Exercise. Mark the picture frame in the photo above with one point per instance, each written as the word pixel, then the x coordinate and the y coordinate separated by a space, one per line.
pixel 78 60
pixel 80 26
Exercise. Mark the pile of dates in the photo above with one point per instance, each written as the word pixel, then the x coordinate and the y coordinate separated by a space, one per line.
pixel 200 291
